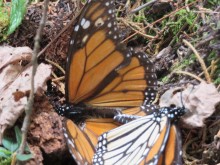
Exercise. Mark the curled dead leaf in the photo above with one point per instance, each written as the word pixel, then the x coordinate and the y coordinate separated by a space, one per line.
pixel 200 100
pixel 15 85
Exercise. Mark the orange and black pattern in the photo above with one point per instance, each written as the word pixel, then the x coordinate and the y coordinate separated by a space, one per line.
pixel 100 70
pixel 150 139
pixel 102 74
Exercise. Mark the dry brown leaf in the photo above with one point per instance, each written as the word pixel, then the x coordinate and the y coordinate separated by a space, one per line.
pixel 15 88
pixel 9 55
pixel 200 100
pixel 14 97
pixel 9 74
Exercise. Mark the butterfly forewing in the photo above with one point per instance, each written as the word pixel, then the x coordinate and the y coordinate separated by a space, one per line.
pixel 95 50
pixel 101 71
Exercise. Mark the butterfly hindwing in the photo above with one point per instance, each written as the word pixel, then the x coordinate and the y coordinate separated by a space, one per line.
pixel 82 139
pixel 78 143
pixel 93 128
pixel 133 85
pixel 172 155
pixel 139 141
pixel 149 139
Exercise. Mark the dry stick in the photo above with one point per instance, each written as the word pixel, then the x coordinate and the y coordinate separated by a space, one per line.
pixel 189 74
pixel 213 68
pixel 56 65
pixel 138 31
pixel 202 63
pixel 210 67
pixel 143 6
pixel 58 79
pixel 190 4
pixel 29 106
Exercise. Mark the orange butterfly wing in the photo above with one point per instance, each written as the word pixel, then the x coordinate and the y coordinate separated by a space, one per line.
pixel 173 150
pixel 133 86
pixel 93 128
pixel 81 140
pixel 150 139
pixel 79 146
pixel 100 70
pixel 94 52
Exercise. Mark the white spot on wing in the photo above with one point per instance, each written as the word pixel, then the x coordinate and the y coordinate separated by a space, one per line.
pixel 109 24
pixel 83 21
pixel 86 24
pixel 85 39
pixel 99 22
pixel 71 42
pixel 76 28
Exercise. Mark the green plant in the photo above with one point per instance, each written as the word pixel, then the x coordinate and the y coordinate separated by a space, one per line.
pixel 182 17
pixel 4 18
pixel 11 15
pixel 181 20
pixel 9 150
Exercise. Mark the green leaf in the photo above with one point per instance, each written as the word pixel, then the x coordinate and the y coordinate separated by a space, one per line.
pixel 27 148
pixel 17 13
pixel 24 157
pixel 4 153
pixel 18 134
pixel 9 144
pixel 6 161
pixel 19 137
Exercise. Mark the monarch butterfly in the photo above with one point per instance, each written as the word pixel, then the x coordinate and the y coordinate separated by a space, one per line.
pixel 102 75
pixel 142 141
pixel 83 138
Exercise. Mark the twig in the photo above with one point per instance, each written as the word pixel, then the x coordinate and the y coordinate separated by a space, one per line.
pixel 208 38
pixel 58 79
pixel 29 106
pixel 208 69
pixel 138 31
pixel 189 74
pixel 143 6
pixel 56 65
pixel 202 63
